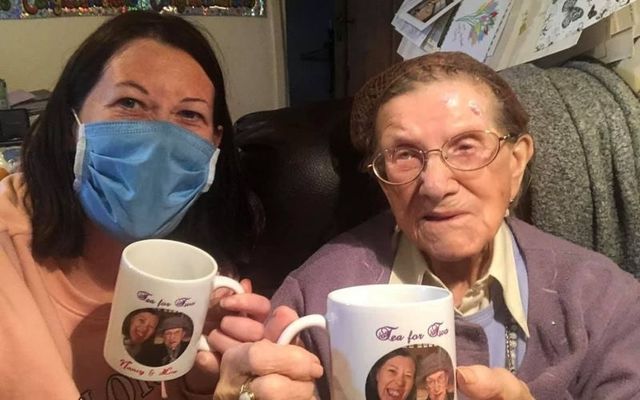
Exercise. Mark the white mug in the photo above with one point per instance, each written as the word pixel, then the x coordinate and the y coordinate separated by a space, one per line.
pixel 387 341
pixel 159 308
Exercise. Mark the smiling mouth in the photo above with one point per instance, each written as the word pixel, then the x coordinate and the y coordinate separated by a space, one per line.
pixel 394 393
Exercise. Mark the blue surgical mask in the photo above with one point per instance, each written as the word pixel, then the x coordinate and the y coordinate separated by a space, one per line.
pixel 137 179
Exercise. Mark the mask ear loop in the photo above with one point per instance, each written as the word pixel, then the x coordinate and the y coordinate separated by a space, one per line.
pixel 212 164
pixel 212 169
pixel 81 145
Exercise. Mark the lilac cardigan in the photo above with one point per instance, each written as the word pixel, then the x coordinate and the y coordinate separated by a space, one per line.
pixel 583 314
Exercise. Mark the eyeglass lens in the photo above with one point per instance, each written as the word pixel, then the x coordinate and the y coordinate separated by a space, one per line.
pixel 466 151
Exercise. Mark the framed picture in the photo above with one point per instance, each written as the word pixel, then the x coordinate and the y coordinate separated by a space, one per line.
pixel 423 13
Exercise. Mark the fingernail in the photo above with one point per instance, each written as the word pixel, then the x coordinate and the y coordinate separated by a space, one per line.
pixel 224 302
pixel 466 375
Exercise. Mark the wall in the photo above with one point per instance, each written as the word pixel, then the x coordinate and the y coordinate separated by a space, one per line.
pixel 33 53
pixel 309 38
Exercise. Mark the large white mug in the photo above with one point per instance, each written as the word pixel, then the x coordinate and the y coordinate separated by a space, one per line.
pixel 159 307
pixel 387 342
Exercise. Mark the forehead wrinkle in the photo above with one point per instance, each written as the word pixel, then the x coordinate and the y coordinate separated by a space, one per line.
pixel 395 131
pixel 392 123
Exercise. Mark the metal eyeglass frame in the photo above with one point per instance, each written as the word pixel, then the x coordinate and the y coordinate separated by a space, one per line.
pixel 425 156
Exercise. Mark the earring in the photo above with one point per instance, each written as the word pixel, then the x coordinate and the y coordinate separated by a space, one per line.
pixel 507 212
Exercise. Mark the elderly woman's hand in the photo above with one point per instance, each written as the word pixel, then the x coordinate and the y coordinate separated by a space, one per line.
pixel 478 382
pixel 238 318
pixel 275 372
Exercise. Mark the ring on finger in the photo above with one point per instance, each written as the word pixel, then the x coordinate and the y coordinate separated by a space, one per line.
pixel 245 390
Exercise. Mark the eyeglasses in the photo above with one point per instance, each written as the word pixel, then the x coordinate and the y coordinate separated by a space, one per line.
pixel 439 381
pixel 467 151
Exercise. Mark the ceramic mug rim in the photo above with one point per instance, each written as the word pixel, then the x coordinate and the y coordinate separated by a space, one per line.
pixel 132 247
pixel 346 297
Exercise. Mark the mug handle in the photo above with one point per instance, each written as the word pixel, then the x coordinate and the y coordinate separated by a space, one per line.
pixel 219 282
pixel 294 328
pixel 225 281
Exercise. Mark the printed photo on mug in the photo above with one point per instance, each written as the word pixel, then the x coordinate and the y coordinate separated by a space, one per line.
pixel 412 373
pixel 155 337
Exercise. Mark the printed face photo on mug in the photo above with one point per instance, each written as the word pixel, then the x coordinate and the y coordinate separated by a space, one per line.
pixel 434 375
pixel 138 328
pixel 156 337
pixel 412 372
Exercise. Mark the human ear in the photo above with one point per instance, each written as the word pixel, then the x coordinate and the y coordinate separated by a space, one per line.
pixel 217 135
pixel 521 153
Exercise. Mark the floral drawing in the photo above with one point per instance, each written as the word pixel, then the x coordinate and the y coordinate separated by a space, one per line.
pixel 481 21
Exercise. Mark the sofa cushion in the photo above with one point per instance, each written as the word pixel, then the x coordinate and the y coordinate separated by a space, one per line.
pixel 301 164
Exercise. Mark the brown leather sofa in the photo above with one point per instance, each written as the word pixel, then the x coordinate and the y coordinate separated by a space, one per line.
pixel 300 163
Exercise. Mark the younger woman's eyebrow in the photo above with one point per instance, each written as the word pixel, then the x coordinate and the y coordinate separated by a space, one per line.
pixel 133 85
pixel 142 89
pixel 196 99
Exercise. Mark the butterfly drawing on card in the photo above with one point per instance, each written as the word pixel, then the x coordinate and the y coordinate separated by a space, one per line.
pixel 572 13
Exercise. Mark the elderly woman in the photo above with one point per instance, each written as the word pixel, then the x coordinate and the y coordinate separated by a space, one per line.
pixel 433 378
pixel 449 144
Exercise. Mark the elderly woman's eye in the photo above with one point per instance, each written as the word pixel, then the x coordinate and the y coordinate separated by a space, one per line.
pixel 464 145
pixel 464 148
pixel 404 154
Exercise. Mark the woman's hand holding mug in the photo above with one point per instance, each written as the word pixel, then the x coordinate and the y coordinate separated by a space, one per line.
pixel 479 382
pixel 239 318
pixel 269 371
